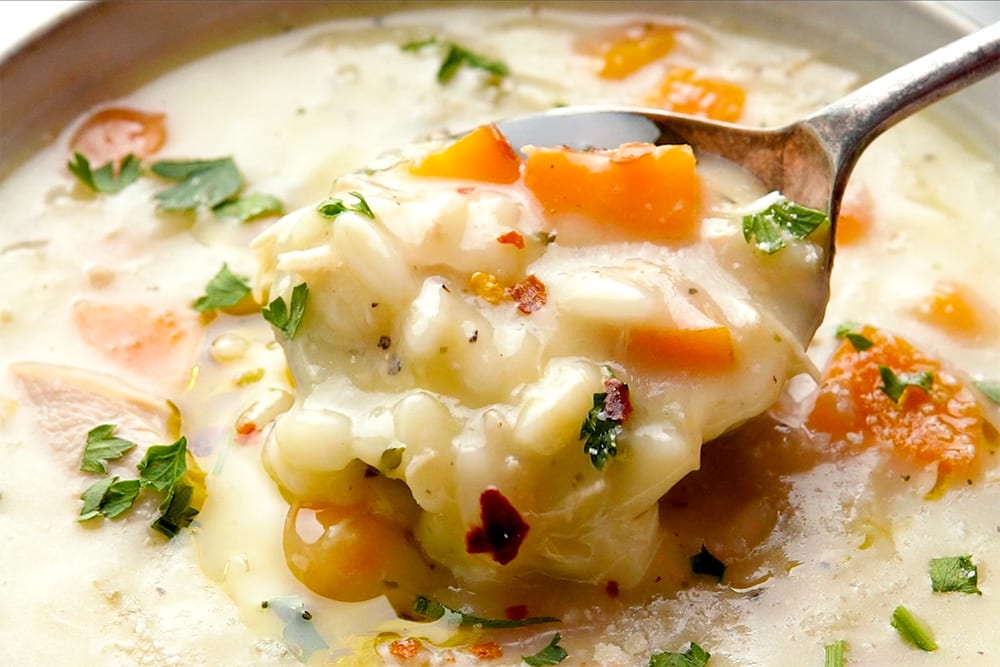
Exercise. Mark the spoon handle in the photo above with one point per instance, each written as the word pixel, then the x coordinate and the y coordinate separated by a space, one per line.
pixel 846 127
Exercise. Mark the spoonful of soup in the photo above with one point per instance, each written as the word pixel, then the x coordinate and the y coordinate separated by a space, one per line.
pixel 808 161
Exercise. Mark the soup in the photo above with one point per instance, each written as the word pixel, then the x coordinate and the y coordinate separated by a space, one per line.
pixel 151 372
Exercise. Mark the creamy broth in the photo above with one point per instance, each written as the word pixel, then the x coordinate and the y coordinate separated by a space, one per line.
pixel 820 544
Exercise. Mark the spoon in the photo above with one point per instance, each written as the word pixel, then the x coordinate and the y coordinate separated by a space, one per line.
pixel 809 161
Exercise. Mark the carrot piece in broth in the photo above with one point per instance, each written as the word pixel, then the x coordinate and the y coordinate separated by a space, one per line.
pixel 111 134
pixel 700 350
pixel 626 51
pixel 683 92
pixel 649 192
pixel 957 310
pixel 942 425
pixel 482 155
pixel 854 222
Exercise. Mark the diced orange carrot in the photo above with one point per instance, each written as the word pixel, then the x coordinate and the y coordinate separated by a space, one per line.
pixel 627 49
pixel 957 310
pixel 111 134
pixel 700 350
pixel 854 221
pixel 645 191
pixel 683 92
pixel 155 342
pixel 942 426
pixel 482 155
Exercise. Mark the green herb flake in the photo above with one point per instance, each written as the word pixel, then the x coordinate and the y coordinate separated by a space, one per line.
pixel 334 206
pixel 893 385
pixel 163 466
pixel 990 388
pixel 175 511
pixel 108 498
pixel 434 610
pixel 552 654
pixel 225 289
pixel 249 207
pixel 846 332
pixel 912 630
pixel 103 179
pixel 694 656
pixel 954 574
pixel 287 319
pixel 834 654
pixel 765 229
pixel 102 447
pixel 704 562
pixel 600 432
pixel 456 56
pixel 200 183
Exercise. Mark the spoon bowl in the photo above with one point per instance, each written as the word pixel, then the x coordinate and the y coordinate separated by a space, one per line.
pixel 809 161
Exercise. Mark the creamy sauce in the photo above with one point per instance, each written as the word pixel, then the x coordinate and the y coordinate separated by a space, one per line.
pixel 820 547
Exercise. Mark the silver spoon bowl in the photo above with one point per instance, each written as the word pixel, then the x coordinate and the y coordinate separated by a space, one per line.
pixel 808 161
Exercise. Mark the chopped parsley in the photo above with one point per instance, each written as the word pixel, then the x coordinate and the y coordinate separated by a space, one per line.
pixel 834 654
pixel 103 447
pixel 846 332
pixel 704 562
pixel 552 654
pixel 334 206
pixel 435 610
pixel 109 498
pixel 176 511
pixel 893 385
pixel 912 630
pixel 603 423
pixel 456 56
pixel 990 388
pixel 200 183
pixel 223 290
pixel 103 179
pixel 766 229
pixel 248 207
pixel 163 466
pixel 288 318
pixel 694 656
pixel 954 574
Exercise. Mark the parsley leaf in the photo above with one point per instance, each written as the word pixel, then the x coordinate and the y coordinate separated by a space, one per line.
pixel 435 610
pixel 912 630
pixel 704 562
pixel 834 654
pixel 893 385
pixel 600 429
pixel 163 466
pixel 954 574
pixel 456 56
pixel 109 498
pixel 695 656
pixel 103 179
pixel 201 183
pixel 287 320
pixel 859 342
pixel 990 388
pixel 764 228
pixel 175 511
pixel 249 207
pixel 223 290
pixel 333 206
pixel 552 654
pixel 101 447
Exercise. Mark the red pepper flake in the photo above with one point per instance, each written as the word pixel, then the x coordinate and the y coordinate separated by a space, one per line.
pixel 465 190
pixel 617 405
pixel 404 649
pixel 502 531
pixel 612 588
pixel 516 612
pixel 513 238
pixel 530 294
pixel 486 650
pixel 245 428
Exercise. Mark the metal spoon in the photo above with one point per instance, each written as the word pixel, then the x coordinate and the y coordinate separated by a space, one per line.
pixel 810 160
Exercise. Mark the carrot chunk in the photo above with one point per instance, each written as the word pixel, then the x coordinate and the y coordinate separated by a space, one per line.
pixel 640 45
pixel 650 192
pixel 854 222
pixel 957 310
pixel 482 155
pixel 111 134
pixel 699 350
pixel 942 424
pixel 683 92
